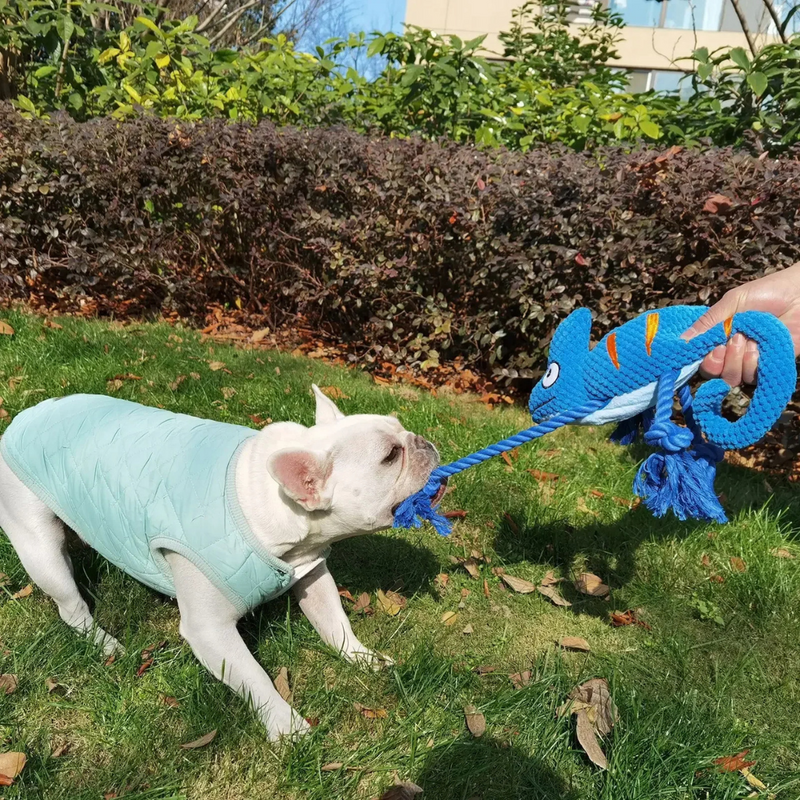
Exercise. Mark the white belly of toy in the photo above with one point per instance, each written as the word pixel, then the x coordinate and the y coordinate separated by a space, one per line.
pixel 629 405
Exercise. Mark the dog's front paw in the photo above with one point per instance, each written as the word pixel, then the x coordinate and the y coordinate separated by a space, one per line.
pixel 369 658
pixel 109 645
pixel 285 724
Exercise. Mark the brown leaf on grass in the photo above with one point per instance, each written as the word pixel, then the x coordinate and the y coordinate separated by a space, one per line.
pixel 362 604
pixel 312 721
pixel 345 594
pixel 589 583
pixel 169 700
pixel 110 796
pixel 596 493
pixel 521 679
pixel 110 660
pixel 442 579
pixel 54 687
pixel 738 564
pixel 457 514
pixel 8 684
pixel 519 585
pixel 201 742
pixel 25 591
pixel 4 579
pixel 587 739
pixel 215 366
pixel 507 458
pixel 544 476
pixel 388 604
pixel 551 594
pixel 177 382
pixel 11 764
pixel 596 714
pixel 259 335
pixel 281 684
pixel 781 552
pixel 476 722
pixel 449 617
pixel 550 579
pixel 144 667
pixel 371 713
pixel 228 392
pixel 5 328
pixel 153 648
pixel 257 419
pixel 753 781
pixel 405 790
pixel 734 763
pixel 61 750
pixel 468 630
pixel 53 325
pixel 484 669
pixel 127 376
pixel 621 618
pixel 471 566
pixel 334 392
pixel 705 560
pixel 584 509
pixel 511 522
pixel 332 766
pixel 485 588
pixel 574 643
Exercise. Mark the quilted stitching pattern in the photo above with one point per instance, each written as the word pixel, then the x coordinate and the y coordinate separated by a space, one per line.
pixel 129 479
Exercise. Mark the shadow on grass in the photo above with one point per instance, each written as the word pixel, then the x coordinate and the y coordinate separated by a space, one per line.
pixel 488 770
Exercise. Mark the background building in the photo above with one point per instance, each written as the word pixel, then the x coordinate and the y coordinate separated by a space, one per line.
pixel 657 36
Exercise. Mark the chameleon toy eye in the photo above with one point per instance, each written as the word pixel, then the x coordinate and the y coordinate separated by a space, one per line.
pixel 551 376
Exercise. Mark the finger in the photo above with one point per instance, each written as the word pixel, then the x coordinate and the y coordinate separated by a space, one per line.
pixel 719 312
pixel 713 363
pixel 734 355
pixel 750 362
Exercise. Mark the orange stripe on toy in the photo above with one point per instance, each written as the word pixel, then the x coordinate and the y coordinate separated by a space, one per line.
pixel 728 325
pixel 652 330
pixel 611 346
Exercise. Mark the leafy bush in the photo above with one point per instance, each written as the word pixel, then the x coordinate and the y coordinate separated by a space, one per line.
pixel 408 251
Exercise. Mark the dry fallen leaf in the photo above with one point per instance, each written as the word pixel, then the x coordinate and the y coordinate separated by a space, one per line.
pixel 596 715
pixel 485 588
pixel 544 476
pixel 734 763
pixel 551 594
pixel 550 579
pixel 168 700
pixel 215 366
pixel 511 522
pixel 53 686
pixel 332 767
pixel 5 328
pixel 449 617
pixel 281 684
pixel 24 592
pixel 588 583
pixel 11 764
pixel 752 780
pixel 507 459
pixel 8 684
pixel 476 722
pixel 362 604
pixel 781 552
pixel 402 791
pixel 259 335
pixel 621 618
pixel 468 630
pixel 334 392
pixel 201 742
pixel 519 585
pixel 484 669
pixel 521 679
pixel 738 564
pixel 584 509
pixel 574 643
pixel 144 667
pixel 371 713
pixel 442 579
pixel 345 594
pixel 471 566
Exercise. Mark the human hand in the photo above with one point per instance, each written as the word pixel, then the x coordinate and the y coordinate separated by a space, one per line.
pixel 737 362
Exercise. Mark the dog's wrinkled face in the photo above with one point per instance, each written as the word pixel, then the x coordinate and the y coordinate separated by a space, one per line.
pixel 356 469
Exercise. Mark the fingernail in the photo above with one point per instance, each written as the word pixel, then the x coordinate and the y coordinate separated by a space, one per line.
pixel 738 340
pixel 752 347
pixel 689 333
pixel 718 353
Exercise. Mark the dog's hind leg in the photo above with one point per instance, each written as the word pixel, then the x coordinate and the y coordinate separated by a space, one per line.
pixel 38 537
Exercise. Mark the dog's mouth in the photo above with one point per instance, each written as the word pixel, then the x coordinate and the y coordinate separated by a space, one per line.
pixel 435 500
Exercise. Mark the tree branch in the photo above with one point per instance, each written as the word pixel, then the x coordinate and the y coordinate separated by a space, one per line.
pixel 745 28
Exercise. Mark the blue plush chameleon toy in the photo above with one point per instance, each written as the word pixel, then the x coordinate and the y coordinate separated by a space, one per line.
pixel 631 378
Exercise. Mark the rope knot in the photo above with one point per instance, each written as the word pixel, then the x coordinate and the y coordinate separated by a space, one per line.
pixel 669 437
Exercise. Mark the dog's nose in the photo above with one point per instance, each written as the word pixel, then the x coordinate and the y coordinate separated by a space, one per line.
pixel 423 444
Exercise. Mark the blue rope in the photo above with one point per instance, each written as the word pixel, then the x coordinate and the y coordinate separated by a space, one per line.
pixel 413 510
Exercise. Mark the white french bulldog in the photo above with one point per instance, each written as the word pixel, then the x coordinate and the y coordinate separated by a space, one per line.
pixel 299 489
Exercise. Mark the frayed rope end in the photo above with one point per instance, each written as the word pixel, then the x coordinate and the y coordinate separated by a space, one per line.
pixel 414 510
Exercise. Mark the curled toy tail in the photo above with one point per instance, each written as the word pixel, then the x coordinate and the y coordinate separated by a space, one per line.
pixel 777 376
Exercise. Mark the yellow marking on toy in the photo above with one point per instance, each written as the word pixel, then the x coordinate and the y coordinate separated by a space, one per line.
pixel 652 330
pixel 728 325
pixel 611 346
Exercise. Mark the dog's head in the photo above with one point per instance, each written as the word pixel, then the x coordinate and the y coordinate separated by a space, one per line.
pixel 353 470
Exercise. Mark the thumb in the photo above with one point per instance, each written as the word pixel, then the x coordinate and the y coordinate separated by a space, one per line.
pixel 719 312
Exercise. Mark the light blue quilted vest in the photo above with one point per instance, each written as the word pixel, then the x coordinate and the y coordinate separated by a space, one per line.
pixel 132 480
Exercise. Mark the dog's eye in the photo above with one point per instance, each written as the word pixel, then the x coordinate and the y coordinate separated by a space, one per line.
pixel 393 454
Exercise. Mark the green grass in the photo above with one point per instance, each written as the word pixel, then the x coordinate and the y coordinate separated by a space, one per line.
pixel 688 692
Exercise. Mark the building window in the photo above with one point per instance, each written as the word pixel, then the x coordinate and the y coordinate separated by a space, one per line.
pixel 660 80
pixel 701 15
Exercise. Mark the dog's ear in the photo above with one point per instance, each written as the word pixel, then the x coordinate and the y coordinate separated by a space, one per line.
pixel 326 408
pixel 303 476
